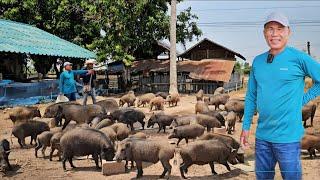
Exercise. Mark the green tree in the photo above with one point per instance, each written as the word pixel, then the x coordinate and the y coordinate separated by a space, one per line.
pixel 132 27
pixel 246 68
pixel 237 67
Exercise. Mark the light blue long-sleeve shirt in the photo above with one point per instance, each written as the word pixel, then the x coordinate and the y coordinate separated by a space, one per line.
pixel 276 90
pixel 67 84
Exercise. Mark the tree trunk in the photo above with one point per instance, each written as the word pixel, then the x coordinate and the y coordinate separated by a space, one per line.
pixel 173 54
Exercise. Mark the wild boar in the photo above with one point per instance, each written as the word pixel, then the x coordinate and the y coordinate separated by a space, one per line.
pixel 183 120
pixel 43 141
pixel 146 151
pixel 103 123
pixel 208 121
pixel 199 95
pixel 29 128
pixel 139 135
pixel 187 132
pixel 55 145
pixel 145 99
pixel 217 115
pixel 206 152
pixel 162 94
pixel 132 116
pixel 201 107
pixel 218 99
pixel 219 90
pixel 80 114
pixel 157 102
pixel 129 98
pixel 161 119
pixel 51 111
pixel 228 140
pixel 308 111
pixel 231 118
pixel 121 130
pixel 173 99
pixel 109 105
pixel 24 113
pixel 4 155
pixel 236 106
pixel 310 143
pixel 108 131
pixel 115 115
pixel 86 141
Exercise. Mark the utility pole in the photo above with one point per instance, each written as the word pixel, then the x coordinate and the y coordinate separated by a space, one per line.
pixel 308 47
pixel 173 54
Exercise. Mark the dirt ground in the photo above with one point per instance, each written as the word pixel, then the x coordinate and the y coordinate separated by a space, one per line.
pixel 26 166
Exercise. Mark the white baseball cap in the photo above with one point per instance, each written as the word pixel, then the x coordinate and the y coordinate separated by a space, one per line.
pixel 66 64
pixel 277 17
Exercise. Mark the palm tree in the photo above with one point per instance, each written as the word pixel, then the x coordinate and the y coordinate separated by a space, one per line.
pixel 173 55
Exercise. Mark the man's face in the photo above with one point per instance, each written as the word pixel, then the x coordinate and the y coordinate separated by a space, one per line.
pixel 90 66
pixel 276 35
pixel 68 67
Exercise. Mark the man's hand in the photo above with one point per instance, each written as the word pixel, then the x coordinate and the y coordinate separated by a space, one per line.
pixel 244 139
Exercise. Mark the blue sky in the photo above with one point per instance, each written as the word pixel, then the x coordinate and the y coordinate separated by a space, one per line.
pixel 236 24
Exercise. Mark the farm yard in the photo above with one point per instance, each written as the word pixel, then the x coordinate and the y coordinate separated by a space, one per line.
pixel 26 166
pixel 167 81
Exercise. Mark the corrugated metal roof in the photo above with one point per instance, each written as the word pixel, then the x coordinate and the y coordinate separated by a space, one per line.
pixel 17 37
pixel 214 70
pixel 207 69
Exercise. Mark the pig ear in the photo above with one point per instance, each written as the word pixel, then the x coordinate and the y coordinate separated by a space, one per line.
pixel 240 151
pixel 234 151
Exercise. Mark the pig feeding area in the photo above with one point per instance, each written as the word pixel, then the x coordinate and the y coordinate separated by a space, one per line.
pixel 26 166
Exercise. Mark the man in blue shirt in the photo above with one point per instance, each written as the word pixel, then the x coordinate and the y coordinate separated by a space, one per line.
pixel 276 91
pixel 67 84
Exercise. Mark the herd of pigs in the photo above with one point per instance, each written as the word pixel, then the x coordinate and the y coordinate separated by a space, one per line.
pixel 105 130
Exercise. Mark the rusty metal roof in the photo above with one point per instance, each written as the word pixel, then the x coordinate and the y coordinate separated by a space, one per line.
pixel 214 70
pixel 207 69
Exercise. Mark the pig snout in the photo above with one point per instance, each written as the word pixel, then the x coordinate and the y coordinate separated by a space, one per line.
pixel 118 157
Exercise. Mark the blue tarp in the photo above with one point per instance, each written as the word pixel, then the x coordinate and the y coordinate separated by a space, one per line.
pixel 16 93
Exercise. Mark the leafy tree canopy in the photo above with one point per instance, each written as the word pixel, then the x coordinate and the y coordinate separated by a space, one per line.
pixel 131 27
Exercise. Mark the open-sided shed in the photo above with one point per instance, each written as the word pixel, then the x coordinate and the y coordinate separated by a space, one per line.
pixel 19 41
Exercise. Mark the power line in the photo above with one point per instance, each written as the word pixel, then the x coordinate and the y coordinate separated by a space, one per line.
pixel 259 22
pixel 254 8
pixel 297 23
